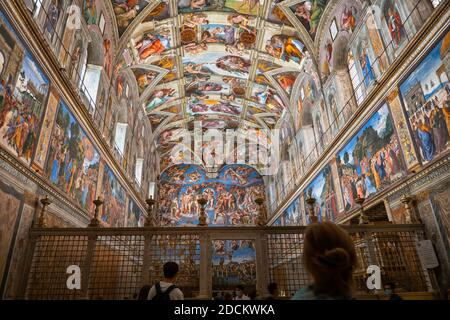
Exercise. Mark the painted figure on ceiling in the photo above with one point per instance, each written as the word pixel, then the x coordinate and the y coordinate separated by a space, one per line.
pixel 287 81
pixel 193 4
pixel 90 11
pixel 303 12
pixel 366 67
pixel 239 21
pixel 285 48
pixel 395 24
pixel 250 4
pixel 318 7
pixel 233 64
pixel 107 56
pixel 126 11
pixel 348 18
pixel 153 44
pixel 52 17
pixel 309 13
pixel 159 97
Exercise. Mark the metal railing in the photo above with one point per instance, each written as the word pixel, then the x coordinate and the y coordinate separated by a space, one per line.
pixel 115 263
pixel 361 90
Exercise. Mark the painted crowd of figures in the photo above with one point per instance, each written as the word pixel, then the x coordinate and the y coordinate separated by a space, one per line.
pixel 23 94
pixel 426 94
pixel 18 123
pixel 234 263
pixel 430 127
pixel 230 198
pixel 225 205
pixel 73 162
pixel 113 210
pixel 371 160
pixel 322 190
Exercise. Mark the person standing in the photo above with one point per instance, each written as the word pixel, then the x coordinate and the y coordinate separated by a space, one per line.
pixel 240 294
pixel 330 258
pixel 389 290
pixel 166 289
pixel 273 291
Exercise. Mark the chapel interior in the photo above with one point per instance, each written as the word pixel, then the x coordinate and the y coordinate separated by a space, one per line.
pixel 211 133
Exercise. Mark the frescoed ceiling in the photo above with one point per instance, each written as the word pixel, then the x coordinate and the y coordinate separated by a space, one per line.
pixel 230 63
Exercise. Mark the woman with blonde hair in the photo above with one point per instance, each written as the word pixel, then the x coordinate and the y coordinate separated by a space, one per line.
pixel 330 258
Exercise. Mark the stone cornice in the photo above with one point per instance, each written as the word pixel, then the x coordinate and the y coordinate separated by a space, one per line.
pixel 27 28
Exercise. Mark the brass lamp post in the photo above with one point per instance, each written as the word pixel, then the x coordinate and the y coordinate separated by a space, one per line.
pixel 150 220
pixel 411 216
pixel 42 221
pixel 310 201
pixel 262 217
pixel 363 219
pixel 202 218
pixel 95 222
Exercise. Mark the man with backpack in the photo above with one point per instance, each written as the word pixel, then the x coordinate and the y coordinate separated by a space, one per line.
pixel 166 289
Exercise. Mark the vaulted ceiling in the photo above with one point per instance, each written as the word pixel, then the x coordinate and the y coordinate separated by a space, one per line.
pixel 230 63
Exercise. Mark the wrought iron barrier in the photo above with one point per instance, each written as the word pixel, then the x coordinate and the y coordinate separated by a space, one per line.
pixel 115 263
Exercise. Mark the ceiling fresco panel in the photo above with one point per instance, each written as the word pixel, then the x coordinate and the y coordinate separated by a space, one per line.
pixel 229 63
pixel 126 11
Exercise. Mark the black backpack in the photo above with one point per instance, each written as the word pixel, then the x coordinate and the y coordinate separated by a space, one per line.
pixel 163 295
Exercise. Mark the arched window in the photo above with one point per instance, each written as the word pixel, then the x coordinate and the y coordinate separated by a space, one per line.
pixel 120 136
pixel 152 189
pixel 92 73
pixel 356 80
pixel 2 62
pixel 139 162
pixel 91 82
pixel 138 170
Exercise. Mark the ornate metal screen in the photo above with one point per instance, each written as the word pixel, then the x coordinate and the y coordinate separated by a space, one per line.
pixel 284 253
pixel 392 248
pixel 183 249
pixel 52 255
pixel 115 263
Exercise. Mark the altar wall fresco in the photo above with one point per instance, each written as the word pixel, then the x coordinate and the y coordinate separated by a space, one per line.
pixel 230 197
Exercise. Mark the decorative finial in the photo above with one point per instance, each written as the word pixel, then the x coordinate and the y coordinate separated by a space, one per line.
pixel 95 222
pixel 310 201
pixel 45 203
pixel 150 220
pixel 202 218
pixel 262 217
pixel 411 215
pixel 363 219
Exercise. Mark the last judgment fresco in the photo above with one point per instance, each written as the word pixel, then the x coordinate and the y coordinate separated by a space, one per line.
pixel 230 197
